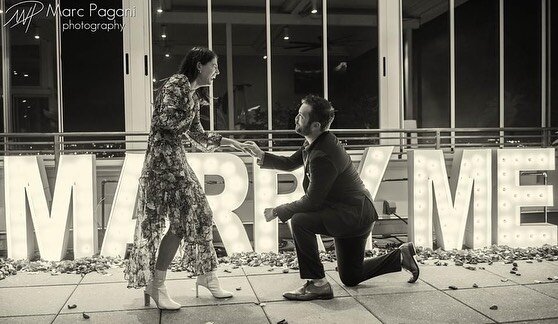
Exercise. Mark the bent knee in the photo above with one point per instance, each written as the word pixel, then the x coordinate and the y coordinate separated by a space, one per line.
pixel 298 219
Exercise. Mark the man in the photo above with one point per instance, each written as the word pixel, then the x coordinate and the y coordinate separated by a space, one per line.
pixel 335 203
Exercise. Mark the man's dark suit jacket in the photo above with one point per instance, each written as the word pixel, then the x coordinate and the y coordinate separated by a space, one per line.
pixel 330 177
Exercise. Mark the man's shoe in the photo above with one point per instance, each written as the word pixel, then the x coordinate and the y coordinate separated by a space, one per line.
pixel 408 261
pixel 310 292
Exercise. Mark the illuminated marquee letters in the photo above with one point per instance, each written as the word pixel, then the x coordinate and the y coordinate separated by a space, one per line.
pixel 120 229
pixel 235 176
pixel 266 196
pixel 464 205
pixel 512 196
pixel 25 176
pixel 121 225
pixel 372 168
pixel 471 175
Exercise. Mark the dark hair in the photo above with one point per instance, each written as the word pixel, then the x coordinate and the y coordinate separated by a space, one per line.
pixel 322 111
pixel 189 68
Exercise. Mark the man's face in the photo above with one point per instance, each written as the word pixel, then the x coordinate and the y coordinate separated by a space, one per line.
pixel 302 120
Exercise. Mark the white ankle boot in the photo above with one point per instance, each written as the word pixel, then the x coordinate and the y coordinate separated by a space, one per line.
pixel 211 282
pixel 158 291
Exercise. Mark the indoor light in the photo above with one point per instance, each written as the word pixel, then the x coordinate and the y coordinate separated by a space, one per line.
pixel 314 7
pixel 286 33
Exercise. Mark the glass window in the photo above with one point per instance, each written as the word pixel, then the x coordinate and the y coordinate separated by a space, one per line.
pixel 247 107
pixel 1 91
pixel 93 76
pixel 33 69
pixel 477 70
pixel 429 61
pixel 522 63
pixel 28 115
pixel 353 63
pixel 92 69
pixel 522 70
pixel 477 64
pixel 297 58
pixel 176 28
pixel 553 61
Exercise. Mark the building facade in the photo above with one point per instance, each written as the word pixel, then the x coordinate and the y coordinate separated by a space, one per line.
pixel 81 76
pixel 80 66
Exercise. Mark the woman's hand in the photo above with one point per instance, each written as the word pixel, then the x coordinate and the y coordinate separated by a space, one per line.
pixel 225 141
pixel 253 149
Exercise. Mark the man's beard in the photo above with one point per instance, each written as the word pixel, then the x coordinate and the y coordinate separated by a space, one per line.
pixel 303 130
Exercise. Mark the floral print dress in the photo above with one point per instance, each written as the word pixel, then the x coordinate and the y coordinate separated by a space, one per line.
pixel 169 190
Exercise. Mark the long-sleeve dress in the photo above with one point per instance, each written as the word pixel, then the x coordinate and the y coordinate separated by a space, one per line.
pixel 168 188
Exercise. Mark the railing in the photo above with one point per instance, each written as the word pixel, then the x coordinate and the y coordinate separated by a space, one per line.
pixel 109 145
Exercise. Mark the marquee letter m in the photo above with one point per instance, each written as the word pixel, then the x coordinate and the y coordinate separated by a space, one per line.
pixel 468 192
pixel 26 182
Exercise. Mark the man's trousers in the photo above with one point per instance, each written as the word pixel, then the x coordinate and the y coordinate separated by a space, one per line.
pixel 350 226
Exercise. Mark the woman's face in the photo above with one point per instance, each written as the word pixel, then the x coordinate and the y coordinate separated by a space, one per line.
pixel 208 72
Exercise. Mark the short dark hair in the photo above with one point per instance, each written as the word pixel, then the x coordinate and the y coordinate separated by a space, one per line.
pixel 189 68
pixel 322 111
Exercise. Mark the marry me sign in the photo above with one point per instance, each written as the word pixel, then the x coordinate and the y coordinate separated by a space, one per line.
pixel 483 198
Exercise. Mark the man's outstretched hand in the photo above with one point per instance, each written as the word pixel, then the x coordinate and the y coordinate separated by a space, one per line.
pixel 253 149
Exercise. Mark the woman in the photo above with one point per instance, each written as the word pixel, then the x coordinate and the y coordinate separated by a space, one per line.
pixel 170 190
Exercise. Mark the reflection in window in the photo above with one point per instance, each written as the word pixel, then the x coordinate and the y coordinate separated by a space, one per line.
pixel 176 28
pixel 246 108
pixel 33 71
pixel 26 65
pixel 297 58
pixel 353 64
pixel 32 115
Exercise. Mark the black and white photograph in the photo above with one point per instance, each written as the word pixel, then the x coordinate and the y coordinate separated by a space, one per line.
pixel 278 161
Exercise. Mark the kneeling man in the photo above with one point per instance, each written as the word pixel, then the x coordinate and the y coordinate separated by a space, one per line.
pixel 335 204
